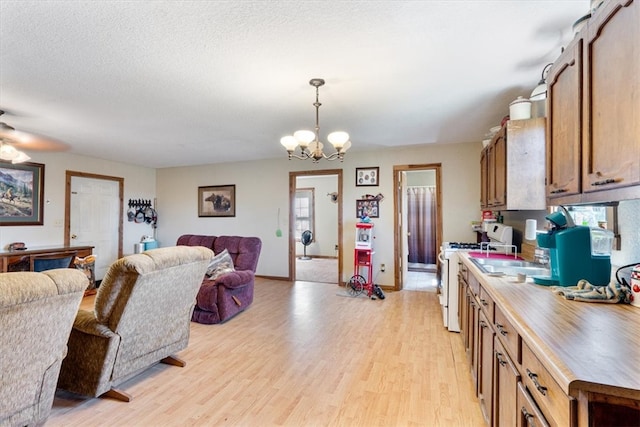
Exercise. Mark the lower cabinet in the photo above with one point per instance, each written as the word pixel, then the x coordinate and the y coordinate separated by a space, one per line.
pixel 514 386
pixel 528 412
pixel 485 367
pixel 506 381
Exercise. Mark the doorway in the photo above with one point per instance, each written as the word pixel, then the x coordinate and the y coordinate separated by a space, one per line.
pixel 315 206
pixel 418 226
pixel 93 216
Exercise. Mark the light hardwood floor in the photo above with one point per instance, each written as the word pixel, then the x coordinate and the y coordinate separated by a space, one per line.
pixel 302 356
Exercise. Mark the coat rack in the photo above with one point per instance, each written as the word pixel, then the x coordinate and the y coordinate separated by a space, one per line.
pixel 141 211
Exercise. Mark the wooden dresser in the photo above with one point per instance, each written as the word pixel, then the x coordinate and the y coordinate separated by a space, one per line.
pixel 23 260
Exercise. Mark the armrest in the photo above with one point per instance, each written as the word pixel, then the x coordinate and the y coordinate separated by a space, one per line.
pixel 234 279
pixel 86 322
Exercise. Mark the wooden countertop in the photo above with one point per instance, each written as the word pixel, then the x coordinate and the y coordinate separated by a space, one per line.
pixel 585 346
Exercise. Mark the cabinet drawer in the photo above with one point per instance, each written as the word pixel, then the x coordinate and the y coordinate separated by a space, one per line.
pixel 508 335
pixel 486 303
pixel 528 412
pixel 558 408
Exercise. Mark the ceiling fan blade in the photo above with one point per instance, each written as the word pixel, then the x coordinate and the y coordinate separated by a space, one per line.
pixel 30 141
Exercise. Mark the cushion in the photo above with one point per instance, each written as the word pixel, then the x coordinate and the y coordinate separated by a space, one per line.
pixel 219 265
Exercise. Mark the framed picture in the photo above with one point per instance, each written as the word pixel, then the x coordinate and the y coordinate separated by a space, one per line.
pixel 21 193
pixel 217 200
pixel 367 177
pixel 368 207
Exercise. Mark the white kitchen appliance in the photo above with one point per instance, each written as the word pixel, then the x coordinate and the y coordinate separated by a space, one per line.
pixel 499 239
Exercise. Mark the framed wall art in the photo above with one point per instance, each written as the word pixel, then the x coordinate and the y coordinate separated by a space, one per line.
pixel 367 177
pixel 217 200
pixel 21 193
pixel 368 207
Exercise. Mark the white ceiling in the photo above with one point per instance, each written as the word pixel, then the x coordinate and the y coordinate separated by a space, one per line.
pixel 173 83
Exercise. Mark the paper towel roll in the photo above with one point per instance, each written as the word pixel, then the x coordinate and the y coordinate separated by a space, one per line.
pixel 530 229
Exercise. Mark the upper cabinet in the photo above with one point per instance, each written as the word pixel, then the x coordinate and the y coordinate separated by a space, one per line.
pixel 593 136
pixel 564 122
pixel 512 167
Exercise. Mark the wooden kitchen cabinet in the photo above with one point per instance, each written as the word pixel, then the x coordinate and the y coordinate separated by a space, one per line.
pixel 484 178
pixel 593 133
pixel 564 123
pixel 506 380
pixel 611 139
pixel 550 364
pixel 485 367
pixel 528 413
pixel 512 167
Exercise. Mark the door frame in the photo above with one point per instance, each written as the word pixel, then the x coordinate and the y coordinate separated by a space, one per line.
pixel 399 256
pixel 292 198
pixel 67 203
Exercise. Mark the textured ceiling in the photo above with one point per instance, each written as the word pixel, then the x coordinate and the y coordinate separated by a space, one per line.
pixel 173 83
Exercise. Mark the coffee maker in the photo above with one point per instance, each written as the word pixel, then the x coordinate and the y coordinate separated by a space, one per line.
pixel 575 252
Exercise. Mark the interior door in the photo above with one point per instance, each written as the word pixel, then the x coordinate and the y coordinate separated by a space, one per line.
pixel 403 253
pixel 94 211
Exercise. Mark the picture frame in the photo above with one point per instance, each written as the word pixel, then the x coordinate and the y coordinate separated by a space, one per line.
pixel 367 177
pixel 369 206
pixel 217 201
pixel 21 194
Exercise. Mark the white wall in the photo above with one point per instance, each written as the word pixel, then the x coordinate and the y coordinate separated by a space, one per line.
pixel 263 186
pixel 139 182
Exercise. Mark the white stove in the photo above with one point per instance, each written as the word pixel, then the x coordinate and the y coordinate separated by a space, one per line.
pixel 500 237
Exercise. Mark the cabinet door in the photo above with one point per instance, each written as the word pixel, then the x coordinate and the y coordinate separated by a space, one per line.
pixel 500 168
pixel 611 141
pixel 484 178
pixel 491 175
pixel 564 123
pixel 506 384
pixel 529 415
pixel 485 367
pixel 472 328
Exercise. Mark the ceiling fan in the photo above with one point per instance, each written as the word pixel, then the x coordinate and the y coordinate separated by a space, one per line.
pixel 12 141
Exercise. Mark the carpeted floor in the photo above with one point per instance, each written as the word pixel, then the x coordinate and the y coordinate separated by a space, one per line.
pixel 323 270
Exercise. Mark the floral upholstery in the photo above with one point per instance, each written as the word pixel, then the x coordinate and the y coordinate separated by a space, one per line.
pixel 141 316
pixel 36 314
pixel 231 293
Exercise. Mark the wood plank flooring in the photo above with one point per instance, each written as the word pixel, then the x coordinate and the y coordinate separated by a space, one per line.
pixel 302 356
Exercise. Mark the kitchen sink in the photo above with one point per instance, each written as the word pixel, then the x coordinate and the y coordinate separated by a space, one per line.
pixel 510 267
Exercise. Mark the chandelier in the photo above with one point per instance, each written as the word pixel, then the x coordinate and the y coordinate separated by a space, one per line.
pixel 309 142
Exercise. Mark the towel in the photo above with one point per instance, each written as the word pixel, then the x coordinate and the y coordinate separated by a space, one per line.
pixel 586 292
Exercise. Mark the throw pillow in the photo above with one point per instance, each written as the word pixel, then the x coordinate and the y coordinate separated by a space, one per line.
pixel 219 265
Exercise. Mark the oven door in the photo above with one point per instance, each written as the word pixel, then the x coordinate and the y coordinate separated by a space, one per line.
pixel 444 285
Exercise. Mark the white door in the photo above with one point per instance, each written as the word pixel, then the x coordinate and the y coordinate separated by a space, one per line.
pixel 94 219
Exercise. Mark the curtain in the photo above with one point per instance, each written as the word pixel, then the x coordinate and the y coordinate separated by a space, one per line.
pixel 421 215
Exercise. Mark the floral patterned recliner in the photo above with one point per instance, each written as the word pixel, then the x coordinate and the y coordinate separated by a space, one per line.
pixel 231 293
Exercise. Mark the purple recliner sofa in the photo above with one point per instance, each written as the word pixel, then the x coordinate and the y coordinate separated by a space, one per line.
pixel 220 299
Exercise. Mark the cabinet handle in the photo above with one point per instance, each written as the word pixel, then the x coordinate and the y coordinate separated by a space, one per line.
pixel 483 325
pixel 500 329
pixel 604 182
pixel 534 378
pixel 559 190
pixel 501 360
pixel 484 302
pixel 527 416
